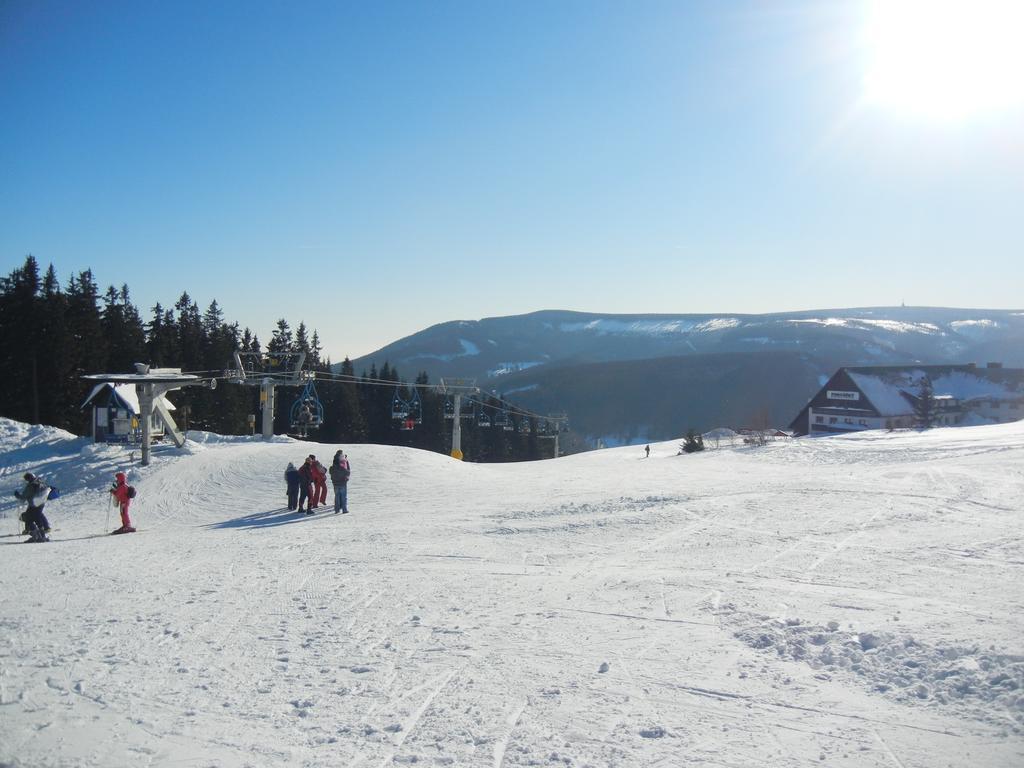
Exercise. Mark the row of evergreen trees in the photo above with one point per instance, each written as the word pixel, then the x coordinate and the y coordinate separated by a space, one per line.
pixel 51 336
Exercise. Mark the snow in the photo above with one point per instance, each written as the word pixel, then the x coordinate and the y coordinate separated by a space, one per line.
pixel 469 349
pixel 504 369
pixel 129 394
pixel 894 326
pixel 883 390
pixel 974 329
pixel 642 327
pixel 849 601
pixel 604 326
pixel 717 324
pixel 827 321
pixel 887 396
pixel 897 326
pixel 526 388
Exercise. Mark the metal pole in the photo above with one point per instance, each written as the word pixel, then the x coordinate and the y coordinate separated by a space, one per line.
pixel 268 408
pixel 457 428
pixel 556 443
pixel 145 392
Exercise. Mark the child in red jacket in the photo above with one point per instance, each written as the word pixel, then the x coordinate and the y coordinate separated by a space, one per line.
pixel 319 475
pixel 123 493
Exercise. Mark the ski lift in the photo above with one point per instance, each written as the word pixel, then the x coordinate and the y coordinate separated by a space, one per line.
pixel 500 419
pixel 468 409
pixel 524 425
pixel 507 424
pixel 408 413
pixel 449 408
pixel 399 407
pixel 307 411
pixel 484 420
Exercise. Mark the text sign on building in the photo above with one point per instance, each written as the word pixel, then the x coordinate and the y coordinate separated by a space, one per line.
pixel 836 394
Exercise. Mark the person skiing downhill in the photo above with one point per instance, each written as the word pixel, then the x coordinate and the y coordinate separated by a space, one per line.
pixel 340 473
pixel 293 478
pixel 35 494
pixel 647 452
pixel 123 493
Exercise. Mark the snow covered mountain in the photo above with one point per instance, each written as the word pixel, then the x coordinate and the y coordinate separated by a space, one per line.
pixel 587 364
pixel 494 347
pixel 848 601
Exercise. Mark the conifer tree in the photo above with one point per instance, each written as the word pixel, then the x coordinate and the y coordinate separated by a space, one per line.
pixel 693 442
pixel 924 405
pixel 123 331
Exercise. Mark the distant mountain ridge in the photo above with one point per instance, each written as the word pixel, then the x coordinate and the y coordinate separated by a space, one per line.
pixel 542 355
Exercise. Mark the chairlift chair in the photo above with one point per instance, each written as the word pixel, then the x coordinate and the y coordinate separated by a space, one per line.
pixel 307 411
pixel 449 408
pixel 413 413
pixel 484 420
pixel 399 408
pixel 500 419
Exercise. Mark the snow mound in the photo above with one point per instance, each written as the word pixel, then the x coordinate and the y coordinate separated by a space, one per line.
pixel 976 683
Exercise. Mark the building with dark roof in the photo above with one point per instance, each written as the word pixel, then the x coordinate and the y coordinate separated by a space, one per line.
pixel 883 397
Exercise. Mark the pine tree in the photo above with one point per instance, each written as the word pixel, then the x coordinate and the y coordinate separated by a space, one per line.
pixel 693 442
pixel 190 334
pixel 123 330
pixel 59 389
pixel 281 339
pixel 19 349
pixel 301 343
pixel 924 404
pixel 315 351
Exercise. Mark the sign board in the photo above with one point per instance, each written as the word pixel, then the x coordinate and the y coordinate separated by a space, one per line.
pixel 837 394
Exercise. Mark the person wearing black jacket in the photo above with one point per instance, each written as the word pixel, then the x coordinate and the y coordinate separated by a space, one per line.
pixel 293 478
pixel 341 471
pixel 34 493
pixel 306 486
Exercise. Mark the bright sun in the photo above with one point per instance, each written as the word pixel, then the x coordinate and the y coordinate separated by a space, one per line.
pixel 945 59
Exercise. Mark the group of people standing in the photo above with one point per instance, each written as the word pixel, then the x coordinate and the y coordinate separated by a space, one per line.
pixel 308 484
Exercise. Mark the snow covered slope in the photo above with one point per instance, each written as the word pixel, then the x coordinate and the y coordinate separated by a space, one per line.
pixel 850 601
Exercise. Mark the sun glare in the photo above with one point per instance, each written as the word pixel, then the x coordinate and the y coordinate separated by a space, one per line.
pixel 944 59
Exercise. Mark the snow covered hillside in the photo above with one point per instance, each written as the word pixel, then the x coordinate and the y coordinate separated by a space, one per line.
pixel 850 601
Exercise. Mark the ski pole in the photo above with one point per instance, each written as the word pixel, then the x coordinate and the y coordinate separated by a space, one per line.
pixel 110 503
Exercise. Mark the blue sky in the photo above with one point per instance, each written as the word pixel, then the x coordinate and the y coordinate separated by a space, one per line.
pixel 374 168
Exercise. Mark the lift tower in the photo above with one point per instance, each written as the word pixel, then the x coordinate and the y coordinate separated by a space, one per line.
pixel 456 388
pixel 267 371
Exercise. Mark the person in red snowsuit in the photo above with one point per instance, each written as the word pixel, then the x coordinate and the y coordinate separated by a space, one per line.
pixel 120 492
pixel 319 473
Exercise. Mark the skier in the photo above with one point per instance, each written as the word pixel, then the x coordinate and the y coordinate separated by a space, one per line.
pixel 35 494
pixel 306 486
pixel 647 452
pixel 340 473
pixel 319 473
pixel 124 494
pixel 293 478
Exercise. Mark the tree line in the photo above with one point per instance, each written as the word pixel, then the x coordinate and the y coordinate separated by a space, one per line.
pixel 53 335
